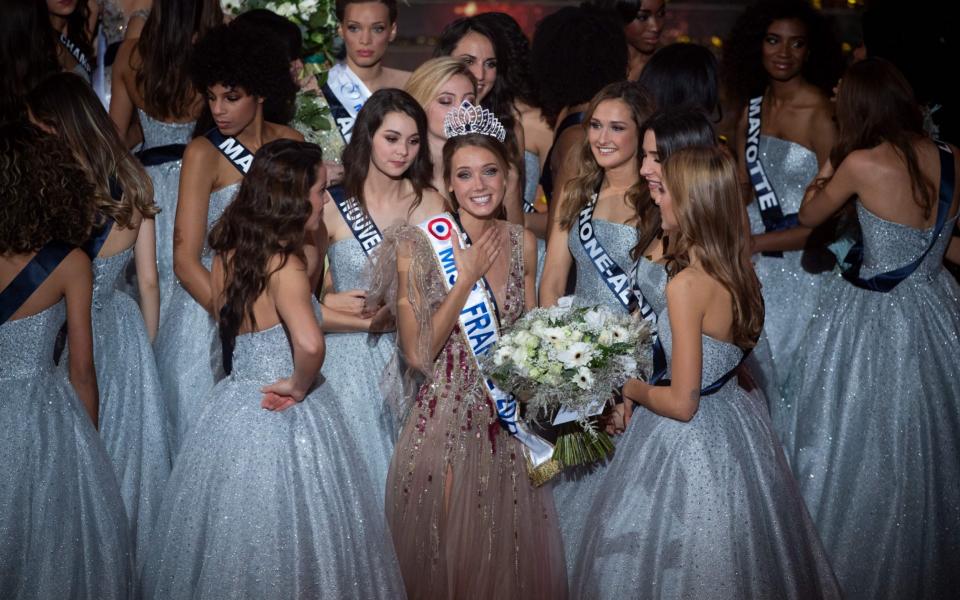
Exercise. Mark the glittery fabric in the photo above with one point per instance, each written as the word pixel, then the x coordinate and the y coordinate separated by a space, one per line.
pixel 703 509
pixel 789 292
pixel 187 346
pixel 166 184
pixel 466 521
pixel 531 167
pixel 574 489
pixel 871 424
pixel 354 364
pixel 264 504
pixel 63 531
pixel 133 419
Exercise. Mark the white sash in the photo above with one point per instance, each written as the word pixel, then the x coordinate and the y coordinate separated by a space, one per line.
pixel 479 324
pixel 351 92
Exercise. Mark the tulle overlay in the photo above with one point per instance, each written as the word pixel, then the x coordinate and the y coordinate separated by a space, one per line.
pixel 63 530
pixel 465 519
pixel 872 422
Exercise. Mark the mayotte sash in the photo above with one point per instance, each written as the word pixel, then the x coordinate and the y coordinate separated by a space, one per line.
pixel 361 225
pixel 346 94
pixel 239 155
pixel 480 326
pixel 76 53
pixel 884 282
pixel 770 210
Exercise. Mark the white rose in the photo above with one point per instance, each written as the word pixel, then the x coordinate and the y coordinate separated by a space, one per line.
pixel 594 319
pixel 577 354
pixel 565 302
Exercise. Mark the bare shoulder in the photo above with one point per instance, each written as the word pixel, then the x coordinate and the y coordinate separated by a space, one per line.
pixel 690 288
pixel 395 78
pixel 431 202
pixel 278 131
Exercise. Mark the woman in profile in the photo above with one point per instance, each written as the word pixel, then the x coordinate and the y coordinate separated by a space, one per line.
pixel 871 425
pixel 266 499
pixel 65 532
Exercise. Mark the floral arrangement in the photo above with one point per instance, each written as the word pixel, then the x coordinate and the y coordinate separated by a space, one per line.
pixel 571 359
pixel 316 19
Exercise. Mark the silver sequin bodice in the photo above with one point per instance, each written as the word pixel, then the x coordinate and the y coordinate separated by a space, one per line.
pixel 347 264
pixel 26 345
pixel 106 272
pixel 718 357
pixel 651 279
pixel 159 133
pixel 618 240
pixel 888 246
pixel 219 201
pixel 790 168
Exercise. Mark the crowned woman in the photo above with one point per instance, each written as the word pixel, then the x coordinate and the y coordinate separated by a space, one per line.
pixel 466 519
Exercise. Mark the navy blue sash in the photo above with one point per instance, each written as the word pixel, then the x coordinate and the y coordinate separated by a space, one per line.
pixel 111 54
pixel 238 154
pixel 361 225
pixel 546 178
pixel 610 272
pixel 659 377
pixel 31 277
pixel 884 282
pixel 770 210
pixel 159 155
pixel 95 243
pixel 339 112
pixel 76 53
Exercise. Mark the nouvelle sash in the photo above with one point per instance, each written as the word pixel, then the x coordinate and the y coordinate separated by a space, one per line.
pixel 770 210
pixel 884 282
pixel 479 325
pixel 159 155
pixel 361 225
pixel 610 272
pixel 345 93
pixel 31 277
pixel 238 154
pixel 76 53
pixel 660 370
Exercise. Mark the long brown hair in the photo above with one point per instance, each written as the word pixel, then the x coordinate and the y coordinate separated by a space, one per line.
pixel 266 219
pixel 875 104
pixel 578 192
pixel 703 185
pixel 66 104
pixel 165 47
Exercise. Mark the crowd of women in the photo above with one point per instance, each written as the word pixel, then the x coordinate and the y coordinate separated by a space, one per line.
pixel 239 364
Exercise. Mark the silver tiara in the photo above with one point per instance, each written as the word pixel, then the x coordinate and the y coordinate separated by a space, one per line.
pixel 469 118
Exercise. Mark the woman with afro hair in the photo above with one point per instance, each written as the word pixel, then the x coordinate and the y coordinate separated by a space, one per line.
pixel 245 76
pixel 781 62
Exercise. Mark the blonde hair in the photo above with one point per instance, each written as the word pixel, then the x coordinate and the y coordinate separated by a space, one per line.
pixel 429 77
pixel 705 192
pixel 580 189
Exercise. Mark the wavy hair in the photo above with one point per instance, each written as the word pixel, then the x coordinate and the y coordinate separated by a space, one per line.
pixel 66 104
pixel 578 192
pixel 474 140
pixel 77 28
pixel 166 48
pixel 875 104
pixel 702 182
pixel 267 218
pixel 742 64
pixel 520 79
pixel 674 130
pixel 357 154
pixel 46 194
pixel 429 77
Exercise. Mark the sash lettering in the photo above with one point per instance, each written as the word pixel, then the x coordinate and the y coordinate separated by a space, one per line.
pixel 345 94
pixel 238 154
pixel 76 53
pixel 480 327
pixel 361 225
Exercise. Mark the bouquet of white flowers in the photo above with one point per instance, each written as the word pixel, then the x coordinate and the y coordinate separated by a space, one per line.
pixel 571 359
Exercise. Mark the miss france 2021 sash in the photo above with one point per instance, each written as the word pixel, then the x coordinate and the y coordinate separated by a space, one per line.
pixel 346 94
pixel 239 155
pixel 361 225
pixel 770 210
pixel 77 54
pixel 480 327
pixel 884 282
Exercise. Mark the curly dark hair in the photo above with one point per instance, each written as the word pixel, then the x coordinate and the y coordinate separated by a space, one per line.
pixel 356 156
pixel 267 218
pixel 742 68
pixel 250 58
pixel 684 75
pixel 576 51
pixel 46 194
pixel 519 78
pixel 282 27
pixel 27 54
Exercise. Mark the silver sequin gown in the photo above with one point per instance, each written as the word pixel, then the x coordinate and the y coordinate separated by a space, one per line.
pixel 354 367
pixel 63 531
pixel 133 419
pixel 268 504
pixel 706 509
pixel 872 427
pixel 166 184
pixel 187 345
pixel 574 489
pixel 789 292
